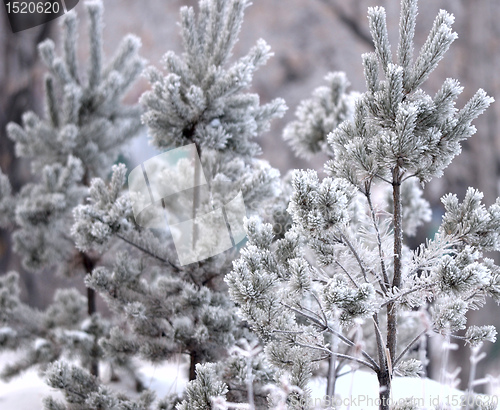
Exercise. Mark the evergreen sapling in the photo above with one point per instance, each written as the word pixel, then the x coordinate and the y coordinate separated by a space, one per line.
pixel 81 133
pixel 344 262
pixel 173 308
pixel 329 283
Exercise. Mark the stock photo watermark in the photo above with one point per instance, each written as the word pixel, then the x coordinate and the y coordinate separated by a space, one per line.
pixel 364 401
pixel 171 189
pixel 23 15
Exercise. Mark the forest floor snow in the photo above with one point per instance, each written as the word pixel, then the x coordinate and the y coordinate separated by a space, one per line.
pixel 355 391
pixel 359 390
pixel 26 391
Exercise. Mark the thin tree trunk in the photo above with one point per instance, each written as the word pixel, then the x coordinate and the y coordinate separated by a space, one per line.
pixel 90 301
pixel 398 246
pixel 193 361
pixel 332 369
pixel 196 197
pixel 94 361
pixel 89 265
pixel 385 374
pixel 384 381
pixel 330 385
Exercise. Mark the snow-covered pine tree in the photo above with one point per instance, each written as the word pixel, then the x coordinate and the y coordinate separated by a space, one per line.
pixel 82 132
pixel 172 308
pixel 344 263
pixel 329 106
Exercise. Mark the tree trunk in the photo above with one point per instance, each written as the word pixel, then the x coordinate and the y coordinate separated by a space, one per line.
pixel 332 368
pixel 196 197
pixel 398 247
pixel 91 301
pixel 89 265
pixel 193 361
pixel 332 376
pixel 384 381
pixel 385 374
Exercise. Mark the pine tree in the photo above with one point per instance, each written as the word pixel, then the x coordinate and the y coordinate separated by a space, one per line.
pixel 317 117
pixel 82 132
pixel 200 111
pixel 329 282
pixel 344 265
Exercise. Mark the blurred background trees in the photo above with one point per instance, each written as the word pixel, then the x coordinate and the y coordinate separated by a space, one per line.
pixel 309 39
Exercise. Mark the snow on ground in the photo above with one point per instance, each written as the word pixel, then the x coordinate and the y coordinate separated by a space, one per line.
pixel 353 391
pixel 27 391
pixel 359 390
pixel 166 379
pixel 24 393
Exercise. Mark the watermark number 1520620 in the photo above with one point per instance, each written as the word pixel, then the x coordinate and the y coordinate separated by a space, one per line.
pixel 27 14
pixel 30 7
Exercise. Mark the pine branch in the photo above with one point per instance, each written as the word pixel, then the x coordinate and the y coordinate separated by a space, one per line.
pixel 380 343
pixel 343 356
pixel 356 256
pixel 347 274
pixel 330 329
pixel 407 292
pixel 408 347
pixel 385 282
pixel 142 249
